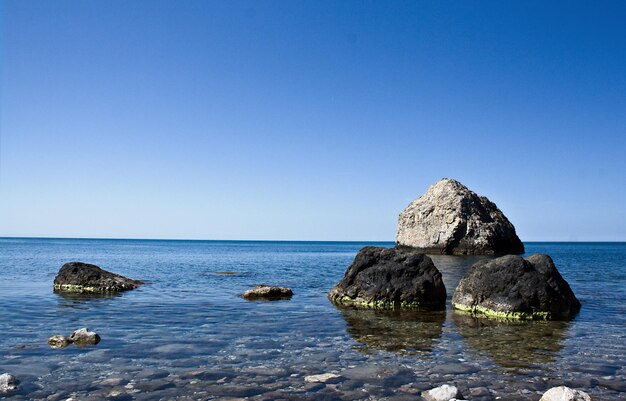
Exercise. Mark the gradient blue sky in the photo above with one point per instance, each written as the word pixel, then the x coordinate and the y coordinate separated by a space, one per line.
pixel 308 120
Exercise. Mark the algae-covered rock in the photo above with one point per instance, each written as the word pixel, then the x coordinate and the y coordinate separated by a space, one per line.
pixel 59 342
pixel 267 292
pixel 511 287
pixel 390 278
pixel 451 219
pixel 81 277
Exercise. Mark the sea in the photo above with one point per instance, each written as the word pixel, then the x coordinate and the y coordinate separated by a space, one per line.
pixel 188 335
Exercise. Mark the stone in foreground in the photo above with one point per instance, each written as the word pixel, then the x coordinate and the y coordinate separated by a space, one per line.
pixel 511 287
pixel 451 219
pixel 8 383
pixel 390 278
pixel 86 278
pixel 84 336
pixel 267 292
pixel 59 342
pixel 563 393
pixel 442 393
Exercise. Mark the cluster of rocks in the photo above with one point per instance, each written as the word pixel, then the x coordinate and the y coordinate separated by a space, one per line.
pixel 81 338
pixel 448 392
pixel 450 218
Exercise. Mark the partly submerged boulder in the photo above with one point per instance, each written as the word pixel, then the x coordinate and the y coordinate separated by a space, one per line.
pixel 451 219
pixel 84 277
pixel 390 278
pixel 267 292
pixel 84 336
pixel 8 383
pixel 511 287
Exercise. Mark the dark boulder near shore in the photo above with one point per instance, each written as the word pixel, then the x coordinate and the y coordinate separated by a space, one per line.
pixel 451 219
pixel 390 278
pixel 86 278
pixel 511 287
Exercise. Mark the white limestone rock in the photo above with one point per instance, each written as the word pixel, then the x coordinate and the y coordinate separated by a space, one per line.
pixel 563 393
pixel 451 219
pixel 445 392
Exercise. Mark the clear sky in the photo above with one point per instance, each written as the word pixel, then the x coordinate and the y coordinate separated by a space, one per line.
pixel 310 120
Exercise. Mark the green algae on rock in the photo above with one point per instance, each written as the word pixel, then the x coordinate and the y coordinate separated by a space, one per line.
pixel 390 278
pixel 514 288
pixel 78 277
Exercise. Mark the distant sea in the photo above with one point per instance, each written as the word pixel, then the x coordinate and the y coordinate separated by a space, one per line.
pixel 186 335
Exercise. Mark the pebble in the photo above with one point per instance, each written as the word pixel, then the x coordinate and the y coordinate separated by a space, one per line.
pixel 322 378
pixel 445 392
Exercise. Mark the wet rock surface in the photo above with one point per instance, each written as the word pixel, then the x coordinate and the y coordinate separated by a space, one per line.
pixel 78 277
pixel 267 292
pixel 390 278
pixel 516 288
pixel 451 219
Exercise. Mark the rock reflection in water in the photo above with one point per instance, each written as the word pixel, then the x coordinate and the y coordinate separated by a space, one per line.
pixel 399 331
pixel 512 344
pixel 83 300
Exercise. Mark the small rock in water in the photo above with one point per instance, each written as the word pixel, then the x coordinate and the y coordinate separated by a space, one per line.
pixel 83 337
pixel 563 393
pixel 322 378
pixel 442 393
pixel 8 383
pixel 268 292
pixel 59 342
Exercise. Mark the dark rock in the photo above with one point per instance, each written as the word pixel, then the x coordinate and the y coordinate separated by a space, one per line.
pixel 390 278
pixel 267 292
pixel 83 277
pixel 451 219
pixel 511 287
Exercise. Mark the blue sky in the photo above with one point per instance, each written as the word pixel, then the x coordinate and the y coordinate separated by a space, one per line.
pixel 308 120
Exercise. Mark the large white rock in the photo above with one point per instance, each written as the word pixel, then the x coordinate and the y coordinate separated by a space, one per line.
pixel 563 393
pixel 445 392
pixel 451 219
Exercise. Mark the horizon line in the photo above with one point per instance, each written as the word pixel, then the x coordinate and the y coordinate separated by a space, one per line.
pixel 268 240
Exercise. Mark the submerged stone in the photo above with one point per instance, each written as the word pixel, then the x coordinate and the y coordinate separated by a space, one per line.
pixel 87 278
pixel 390 278
pixel 451 219
pixel 511 287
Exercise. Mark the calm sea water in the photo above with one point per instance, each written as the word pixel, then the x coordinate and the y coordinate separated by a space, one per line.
pixel 188 336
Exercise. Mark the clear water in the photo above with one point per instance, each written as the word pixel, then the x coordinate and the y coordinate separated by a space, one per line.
pixel 188 336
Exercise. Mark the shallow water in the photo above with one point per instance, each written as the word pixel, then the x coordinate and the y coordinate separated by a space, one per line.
pixel 187 335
